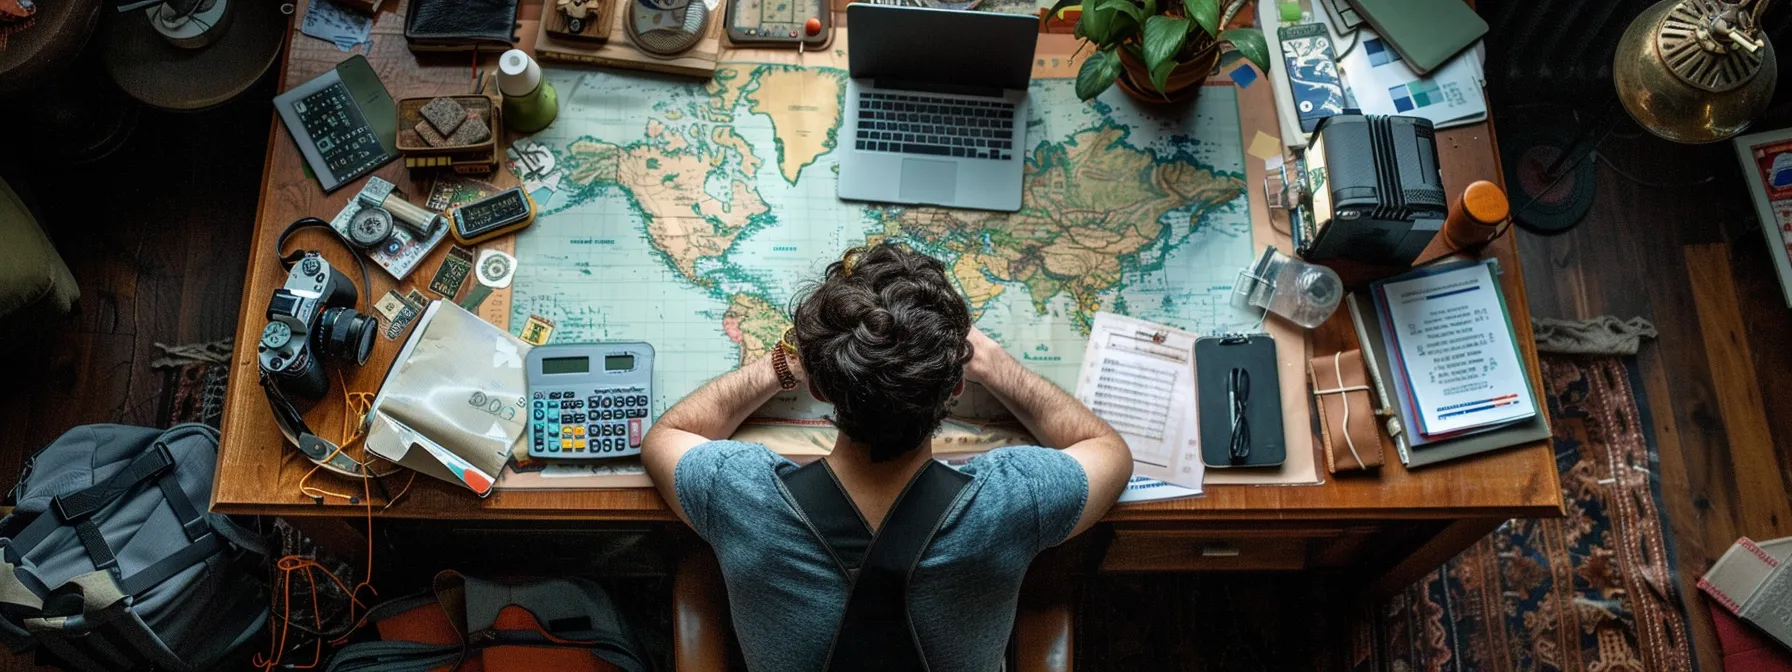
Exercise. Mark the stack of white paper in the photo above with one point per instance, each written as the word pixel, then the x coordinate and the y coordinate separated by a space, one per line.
pixel 1140 378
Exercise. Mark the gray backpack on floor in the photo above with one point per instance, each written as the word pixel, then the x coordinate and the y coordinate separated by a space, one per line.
pixel 111 561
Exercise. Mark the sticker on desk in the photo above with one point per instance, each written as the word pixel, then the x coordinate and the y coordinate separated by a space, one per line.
pixel 398 311
pixel 537 330
pixel 453 272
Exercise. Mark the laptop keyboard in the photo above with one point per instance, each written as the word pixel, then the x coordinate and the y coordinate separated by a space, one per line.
pixel 908 124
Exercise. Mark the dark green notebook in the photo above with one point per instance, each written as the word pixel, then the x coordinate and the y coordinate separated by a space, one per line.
pixel 1426 33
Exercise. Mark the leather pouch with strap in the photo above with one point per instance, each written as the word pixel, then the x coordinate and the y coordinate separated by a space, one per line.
pixel 1347 417
pixel 875 633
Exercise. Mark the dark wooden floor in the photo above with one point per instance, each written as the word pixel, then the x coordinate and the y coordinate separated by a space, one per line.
pixel 157 236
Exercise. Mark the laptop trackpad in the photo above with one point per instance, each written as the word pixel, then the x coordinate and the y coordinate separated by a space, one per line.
pixel 928 181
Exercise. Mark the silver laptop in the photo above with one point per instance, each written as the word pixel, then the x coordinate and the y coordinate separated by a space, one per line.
pixel 937 106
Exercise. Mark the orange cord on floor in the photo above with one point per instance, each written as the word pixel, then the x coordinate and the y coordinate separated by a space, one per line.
pixel 356 406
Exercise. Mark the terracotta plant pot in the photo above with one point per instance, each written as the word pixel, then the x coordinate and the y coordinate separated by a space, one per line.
pixel 1184 82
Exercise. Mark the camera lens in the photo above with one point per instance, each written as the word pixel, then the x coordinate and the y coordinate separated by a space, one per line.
pixel 348 335
pixel 304 378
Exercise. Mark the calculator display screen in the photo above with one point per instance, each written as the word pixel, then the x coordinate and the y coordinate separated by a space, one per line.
pixel 566 365
pixel 619 362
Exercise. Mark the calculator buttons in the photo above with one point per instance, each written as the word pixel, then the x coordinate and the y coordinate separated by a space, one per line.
pixel 604 422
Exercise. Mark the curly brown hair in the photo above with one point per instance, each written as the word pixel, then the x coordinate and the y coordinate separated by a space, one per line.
pixel 882 337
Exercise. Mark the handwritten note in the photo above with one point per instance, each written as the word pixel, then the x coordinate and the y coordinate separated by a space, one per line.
pixel 328 21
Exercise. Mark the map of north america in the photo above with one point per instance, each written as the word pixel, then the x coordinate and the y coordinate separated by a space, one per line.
pixel 690 215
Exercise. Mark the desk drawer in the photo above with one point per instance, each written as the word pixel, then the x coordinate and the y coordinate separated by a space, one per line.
pixel 1231 550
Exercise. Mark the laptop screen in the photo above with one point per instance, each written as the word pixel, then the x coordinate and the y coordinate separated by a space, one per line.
pixel 940 46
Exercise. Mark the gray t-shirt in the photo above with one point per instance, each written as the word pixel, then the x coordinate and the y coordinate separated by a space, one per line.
pixel 787 595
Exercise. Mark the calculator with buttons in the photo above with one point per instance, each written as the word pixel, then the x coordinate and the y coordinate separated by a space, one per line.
pixel 589 400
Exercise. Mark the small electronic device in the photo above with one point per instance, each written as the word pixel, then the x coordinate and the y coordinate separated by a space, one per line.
pixel 343 121
pixel 1312 73
pixel 1370 191
pixel 1238 401
pixel 589 400
pixel 667 27
pixel 805 24
pixel 492 216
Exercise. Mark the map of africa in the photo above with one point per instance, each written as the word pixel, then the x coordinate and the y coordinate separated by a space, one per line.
pixel 689 214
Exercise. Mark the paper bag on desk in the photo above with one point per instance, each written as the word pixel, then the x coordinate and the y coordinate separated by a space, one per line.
pixel 454 403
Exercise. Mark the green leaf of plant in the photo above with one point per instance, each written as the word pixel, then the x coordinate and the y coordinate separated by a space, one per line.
pixel 1249 42
pixel 1163 38
pixel 1097 22
pixel 1126 7
pixel 1161 73
pixel 1204 12
pixel 1150 7
pixel 1097 74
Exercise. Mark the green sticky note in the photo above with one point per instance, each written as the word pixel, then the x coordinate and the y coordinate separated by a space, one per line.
pixel 1290 11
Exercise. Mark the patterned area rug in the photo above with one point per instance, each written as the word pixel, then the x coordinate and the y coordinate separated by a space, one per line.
pixel 1592 591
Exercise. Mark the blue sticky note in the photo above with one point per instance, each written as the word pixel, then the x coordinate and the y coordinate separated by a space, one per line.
pixel 1244 76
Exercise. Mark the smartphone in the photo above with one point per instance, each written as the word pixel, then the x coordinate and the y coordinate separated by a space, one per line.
pixel 1238 401
pixel 1312 73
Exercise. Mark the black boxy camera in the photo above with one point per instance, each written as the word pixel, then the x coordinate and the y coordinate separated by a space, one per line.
pixel 1374 192
pixel 311 319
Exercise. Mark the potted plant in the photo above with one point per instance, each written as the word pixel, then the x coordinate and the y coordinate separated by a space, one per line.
pixel 1158 50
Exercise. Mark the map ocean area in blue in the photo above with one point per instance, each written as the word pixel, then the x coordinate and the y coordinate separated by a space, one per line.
pixel 617 255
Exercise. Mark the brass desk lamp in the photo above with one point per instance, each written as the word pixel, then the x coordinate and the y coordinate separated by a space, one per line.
pixel 1696 71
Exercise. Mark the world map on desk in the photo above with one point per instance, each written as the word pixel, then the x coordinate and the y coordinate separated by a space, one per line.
pixel 689 214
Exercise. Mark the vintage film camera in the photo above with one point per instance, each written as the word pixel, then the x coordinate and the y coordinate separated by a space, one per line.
pixel 311 320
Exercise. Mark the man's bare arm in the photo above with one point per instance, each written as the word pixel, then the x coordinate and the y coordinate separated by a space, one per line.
pixel 713 412
pixel 1057 420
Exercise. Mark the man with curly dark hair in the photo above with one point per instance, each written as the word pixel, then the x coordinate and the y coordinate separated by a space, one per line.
pixel 886 339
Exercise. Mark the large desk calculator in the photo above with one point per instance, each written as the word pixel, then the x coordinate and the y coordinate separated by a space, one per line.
pixel 589 400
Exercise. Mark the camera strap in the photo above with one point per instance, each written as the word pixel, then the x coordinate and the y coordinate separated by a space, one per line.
pixel 319 450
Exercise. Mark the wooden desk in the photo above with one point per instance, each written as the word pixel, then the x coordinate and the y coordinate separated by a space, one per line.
pixel 1389 527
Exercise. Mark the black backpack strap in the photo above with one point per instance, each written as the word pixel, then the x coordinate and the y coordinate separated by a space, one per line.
pixel 875 633
pixel 823 504
pixel 74 508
